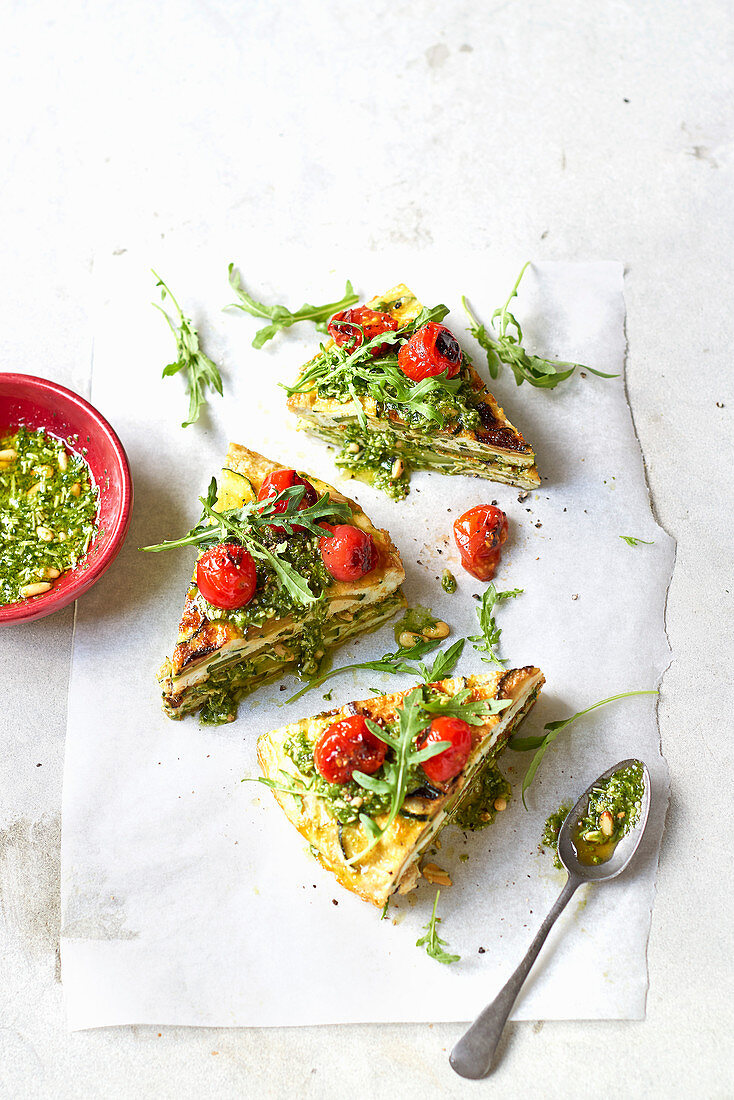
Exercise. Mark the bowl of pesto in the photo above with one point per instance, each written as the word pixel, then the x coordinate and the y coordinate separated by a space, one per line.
pixel 65 497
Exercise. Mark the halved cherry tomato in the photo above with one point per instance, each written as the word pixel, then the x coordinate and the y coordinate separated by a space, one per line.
pixel 279 480
pixel 479 534
pixel 431 350
pixel 226 575
pixel 345 747
pixel 447 764
pixel 349 553
pixel 344 328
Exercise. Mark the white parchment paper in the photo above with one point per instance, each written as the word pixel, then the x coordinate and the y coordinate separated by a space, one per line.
pixel 187 896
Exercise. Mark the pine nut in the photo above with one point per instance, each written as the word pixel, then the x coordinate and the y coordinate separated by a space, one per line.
pixel 44 471
pixel 76 489
pixel 49 571
pixel 63 461
pixel 354 449
pixel 397 469
pixel 36 589
pixel 436 875
pixel 8 455
pixel 606 823
pixel 34 489
pixel 45 534
pixel 500 804
pixel 440 629
pixel 408 639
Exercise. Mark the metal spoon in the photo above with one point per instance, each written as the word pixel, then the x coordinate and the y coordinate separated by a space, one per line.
pixel 472 1055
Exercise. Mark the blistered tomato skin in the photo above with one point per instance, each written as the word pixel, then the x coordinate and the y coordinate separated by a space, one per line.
pixel 226 576
pixel 431 350
pixel 349 553
pixel 345 747
pixel 279 480
pixel 354 327
pixel 448 763
pixel 479 535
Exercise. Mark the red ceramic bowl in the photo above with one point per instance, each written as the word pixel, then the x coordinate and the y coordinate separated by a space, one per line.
pixel 38 403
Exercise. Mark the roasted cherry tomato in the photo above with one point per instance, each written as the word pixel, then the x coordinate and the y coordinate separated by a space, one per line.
pixel 226 575
pixel 283 479
pixel 348 553
pixel 430 351
pixel 445 765
pixel 479 534
pixel 348 327
pixel 345 747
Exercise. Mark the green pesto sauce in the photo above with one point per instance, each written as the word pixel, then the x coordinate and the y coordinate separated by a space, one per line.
pixel 272 600
pixel 48 515
pixel 614 808
pixel 344 801
pixel 480 807
pixel 448 582
pixel 552 828
pixel 376 458
pixel 415 621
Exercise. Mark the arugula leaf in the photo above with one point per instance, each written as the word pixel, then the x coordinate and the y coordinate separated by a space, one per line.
pixel 403 660
pixel 631 541
pixel 491 633
pixel 541 742
pixel 432 942
pixel 280 316
pixel 507 348
pixel 201 372
pixel 242 525
pixel 472 711
pixel 395 773
pixel 444 664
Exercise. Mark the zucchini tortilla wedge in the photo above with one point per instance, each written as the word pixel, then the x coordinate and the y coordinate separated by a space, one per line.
pixel 393 391
pixel 308 586
pixel 424 754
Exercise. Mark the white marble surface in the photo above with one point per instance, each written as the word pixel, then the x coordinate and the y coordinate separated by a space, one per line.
pixel 503 126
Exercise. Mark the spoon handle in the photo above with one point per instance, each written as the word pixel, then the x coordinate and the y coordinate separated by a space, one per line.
pixel 472 1055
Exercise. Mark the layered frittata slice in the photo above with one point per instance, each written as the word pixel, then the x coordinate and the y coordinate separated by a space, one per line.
pixel 271 598
pixel 371 784
pixel 393 391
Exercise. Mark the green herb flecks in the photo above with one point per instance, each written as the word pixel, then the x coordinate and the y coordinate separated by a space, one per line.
pixel 506 347
pixel 489 639
pixel 552 828
pixel 48 512
pixel 543 741
pixel 487 796
pixel 432 942
pixel 613 809
pixel 244 525
pixel 280 316
pixel 201 372
pixel 403 660
pixel 631 541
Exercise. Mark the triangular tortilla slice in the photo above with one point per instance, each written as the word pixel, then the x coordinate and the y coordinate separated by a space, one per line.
pixel 494 450
pixel 219 658
pixel 393 865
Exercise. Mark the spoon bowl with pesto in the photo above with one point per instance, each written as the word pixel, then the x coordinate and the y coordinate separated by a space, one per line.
pixel 596 842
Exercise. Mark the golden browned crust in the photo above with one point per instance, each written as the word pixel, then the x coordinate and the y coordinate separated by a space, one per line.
pixel 383 871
